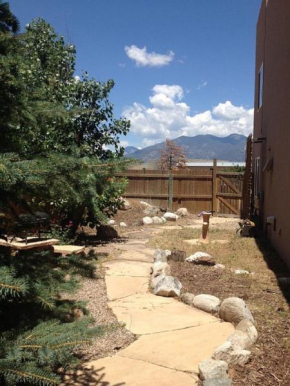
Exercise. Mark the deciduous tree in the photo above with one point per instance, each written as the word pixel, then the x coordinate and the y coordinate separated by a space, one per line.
pixel 172 157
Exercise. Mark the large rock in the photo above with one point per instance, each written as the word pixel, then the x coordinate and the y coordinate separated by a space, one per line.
pixel 240 340
pixel 234 356
pixel 123 224
pixel 217 382
pixel 241 272
pixel 187 298
pixel 155 280
pixel 212 368
pixel 151 211
pixel 161 255
pixel 170 216
pixel 234 310
pixel 207 303
pixel 240 357
pixel 248 328
pixel 125 205
pixel 201 258
pixel 111 222
pixel 160 268
pixel 168 287
pixel 182 212
pixel 145 203
pixel 106 232
pixel 157 220
pixel 219 267
pixel 147 220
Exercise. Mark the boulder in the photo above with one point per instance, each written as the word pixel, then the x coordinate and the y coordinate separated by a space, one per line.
pixel 241 272
pixel 187 298
pixel 125 204
pixel 151 211
pixel 212 368
pixel 219 266
pixel 123 224
pixel 240 340
pixel 161 255
pixel 163 219
pixel 169 286
pixel 223 352
pixel 240 357
pixel 207 303
pixel 217 382
pixel 111 222
pixel 106 232
pixel 234 310
pixel 147 220
pixel 248 328
pixel 157 220
pixel 160 268
pixel 234 356
pixel 155 280
pixel 145 203
pixel 170 216
pixel 201 258
pixel 182 212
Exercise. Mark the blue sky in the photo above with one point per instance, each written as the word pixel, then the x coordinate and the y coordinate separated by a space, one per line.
pixel 195 76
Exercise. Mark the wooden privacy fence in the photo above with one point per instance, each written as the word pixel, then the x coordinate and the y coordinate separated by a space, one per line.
pixel 196 190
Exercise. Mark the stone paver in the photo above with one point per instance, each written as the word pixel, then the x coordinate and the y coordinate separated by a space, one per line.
pixel 144 256
pixel 121 286
pixel 148 314
pixel 128 268
pixel 119 371
pixel 66 250
pixel 181 350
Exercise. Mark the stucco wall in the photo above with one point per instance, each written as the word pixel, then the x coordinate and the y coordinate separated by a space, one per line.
pixel 273 119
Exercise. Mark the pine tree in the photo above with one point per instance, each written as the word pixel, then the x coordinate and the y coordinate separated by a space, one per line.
pixel 52 157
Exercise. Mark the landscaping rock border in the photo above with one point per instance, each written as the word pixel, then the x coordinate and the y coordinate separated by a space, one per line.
pixel 235 351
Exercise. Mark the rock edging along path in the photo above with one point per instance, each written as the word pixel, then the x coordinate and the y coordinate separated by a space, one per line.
pixel 172 337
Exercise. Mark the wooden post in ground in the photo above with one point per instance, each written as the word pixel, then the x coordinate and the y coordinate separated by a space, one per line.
pixel 170 185
pixel 214 186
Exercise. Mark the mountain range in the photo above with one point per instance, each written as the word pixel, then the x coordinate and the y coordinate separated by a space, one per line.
pixel 230 148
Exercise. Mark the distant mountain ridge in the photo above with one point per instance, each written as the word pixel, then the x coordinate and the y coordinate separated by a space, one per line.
pixel 230 148
pixel 130 149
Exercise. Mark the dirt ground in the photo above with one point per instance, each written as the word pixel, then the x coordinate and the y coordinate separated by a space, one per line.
pixel 270 362
pixel 268 301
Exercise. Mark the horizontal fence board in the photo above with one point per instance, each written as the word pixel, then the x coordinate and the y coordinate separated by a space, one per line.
pixel 165 176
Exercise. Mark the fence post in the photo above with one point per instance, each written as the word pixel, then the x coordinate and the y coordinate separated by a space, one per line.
pixel 214 183
pixel 170 185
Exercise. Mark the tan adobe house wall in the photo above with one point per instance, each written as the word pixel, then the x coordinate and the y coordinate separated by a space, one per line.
pixel 271 148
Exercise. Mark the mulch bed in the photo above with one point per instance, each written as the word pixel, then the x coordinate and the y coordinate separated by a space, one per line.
pixel 270 362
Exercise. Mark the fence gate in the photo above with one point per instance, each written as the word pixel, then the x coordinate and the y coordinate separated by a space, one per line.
pixel 229 193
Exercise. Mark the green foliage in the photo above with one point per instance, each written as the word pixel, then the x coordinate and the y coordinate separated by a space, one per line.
pixel 54 156
pixel 8 21
pixel 58 130
pixel 37 324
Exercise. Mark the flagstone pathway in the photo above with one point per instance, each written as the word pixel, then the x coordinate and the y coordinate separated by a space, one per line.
pixel 172 337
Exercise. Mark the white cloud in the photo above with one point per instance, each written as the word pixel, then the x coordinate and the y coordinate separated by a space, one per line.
pixel 202 85
pixel 143 58
pixel 169 117
pixel 122 65
pixel 124 143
